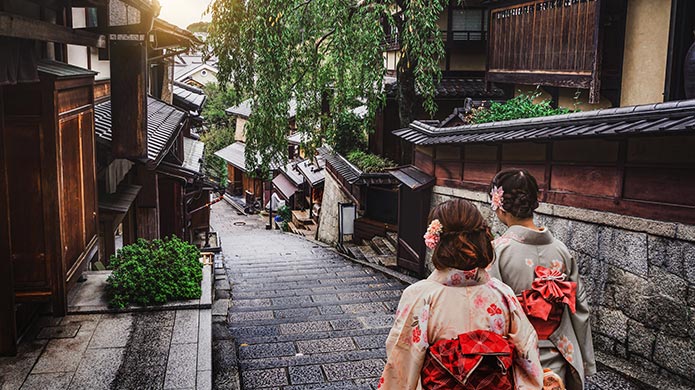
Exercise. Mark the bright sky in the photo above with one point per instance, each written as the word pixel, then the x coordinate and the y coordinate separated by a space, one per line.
pixel 183 12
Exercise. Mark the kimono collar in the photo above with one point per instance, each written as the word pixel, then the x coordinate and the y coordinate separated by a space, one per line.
pixel 525 235
pixel 454 277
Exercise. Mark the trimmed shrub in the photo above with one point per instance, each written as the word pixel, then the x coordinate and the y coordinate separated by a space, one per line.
pixel 368 162
pixel 154 272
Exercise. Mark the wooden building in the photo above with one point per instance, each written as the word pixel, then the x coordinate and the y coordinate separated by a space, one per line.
pixel 375 196
pixel 242 182
pixel 632 161
pixel 47 172
pixel 63 193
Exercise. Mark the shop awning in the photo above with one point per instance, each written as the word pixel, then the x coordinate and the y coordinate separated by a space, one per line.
pixel 284 186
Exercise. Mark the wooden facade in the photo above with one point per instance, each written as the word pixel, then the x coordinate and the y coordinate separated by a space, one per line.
pixel 649 177
pixel 50 178
pixel 554 43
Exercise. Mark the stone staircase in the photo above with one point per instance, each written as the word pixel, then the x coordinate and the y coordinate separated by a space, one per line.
pixel 379 250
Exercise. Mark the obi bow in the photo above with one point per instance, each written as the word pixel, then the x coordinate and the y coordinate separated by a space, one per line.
pixel 548 290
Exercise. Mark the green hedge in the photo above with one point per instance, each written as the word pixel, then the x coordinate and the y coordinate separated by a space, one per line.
pixel 368 162
pixel 154 272
pixel 521 106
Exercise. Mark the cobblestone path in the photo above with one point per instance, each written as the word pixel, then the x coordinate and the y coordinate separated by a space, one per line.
pixel 305 318
pixel 302 316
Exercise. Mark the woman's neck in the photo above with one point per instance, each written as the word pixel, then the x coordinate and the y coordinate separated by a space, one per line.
pixel 527 223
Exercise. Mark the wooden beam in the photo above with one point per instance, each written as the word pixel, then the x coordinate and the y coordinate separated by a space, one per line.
pixel 129 99
pixel 16 26
pixel 8 327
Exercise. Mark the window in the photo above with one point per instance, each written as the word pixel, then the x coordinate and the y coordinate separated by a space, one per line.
pixel 469 24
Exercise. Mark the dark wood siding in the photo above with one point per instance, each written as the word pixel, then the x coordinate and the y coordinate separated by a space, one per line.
pixel 545 42
pixel 650 177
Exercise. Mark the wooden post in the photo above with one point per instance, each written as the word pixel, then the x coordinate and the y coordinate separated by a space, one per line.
pixel 8 326
pixel 147 210
pixel 129 99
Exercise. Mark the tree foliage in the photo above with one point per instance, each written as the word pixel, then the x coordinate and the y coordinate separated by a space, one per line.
pixel 327 54
pixel 218 100
pixel 198 27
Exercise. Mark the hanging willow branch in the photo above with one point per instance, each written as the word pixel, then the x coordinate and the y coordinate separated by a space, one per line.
pixel 326 55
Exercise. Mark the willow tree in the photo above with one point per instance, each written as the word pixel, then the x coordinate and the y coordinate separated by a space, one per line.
pixel 326 54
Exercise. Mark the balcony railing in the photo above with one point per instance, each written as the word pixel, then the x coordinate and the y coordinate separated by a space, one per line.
pixel 465 35
pixel 391 42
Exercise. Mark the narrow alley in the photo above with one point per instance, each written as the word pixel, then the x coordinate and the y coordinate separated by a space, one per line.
pixel 302 316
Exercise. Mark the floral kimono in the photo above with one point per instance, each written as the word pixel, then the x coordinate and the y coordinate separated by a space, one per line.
pixel 449 303
pixel 524 255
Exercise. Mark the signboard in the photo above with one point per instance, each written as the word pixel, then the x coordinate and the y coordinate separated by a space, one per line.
pixel 552 43
pixel 347 214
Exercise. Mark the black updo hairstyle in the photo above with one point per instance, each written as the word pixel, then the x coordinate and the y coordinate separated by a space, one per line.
pixel 520 191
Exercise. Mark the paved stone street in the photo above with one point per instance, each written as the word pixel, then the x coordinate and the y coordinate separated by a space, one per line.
pixel 302 316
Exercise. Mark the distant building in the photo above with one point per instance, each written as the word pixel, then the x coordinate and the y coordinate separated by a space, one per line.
pixel 195 70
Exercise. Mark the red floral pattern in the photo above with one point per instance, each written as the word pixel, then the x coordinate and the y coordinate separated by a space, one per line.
pixel 494 310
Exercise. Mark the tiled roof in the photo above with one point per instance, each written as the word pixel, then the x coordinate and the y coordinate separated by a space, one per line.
pixel 292 173
pixel 235 154
pixel 244 109
pixel 412 177
pixel 193 154
pixel 353 175
pixel 163 125
pixel 313 171
pixel 63 70
pixel 661 118
pixel 188 97
pixel 458 87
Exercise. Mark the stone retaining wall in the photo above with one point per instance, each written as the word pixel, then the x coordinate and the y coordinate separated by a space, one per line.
pixel 328 220
pixel 640 279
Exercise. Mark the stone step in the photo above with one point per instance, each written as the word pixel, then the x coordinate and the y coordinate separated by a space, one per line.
pixel 392 238
pixel 382 246
pixel 353 251
pixel 247 305
pixel 320 358
pixel 243 338
pixel 384 260
pixel 300 292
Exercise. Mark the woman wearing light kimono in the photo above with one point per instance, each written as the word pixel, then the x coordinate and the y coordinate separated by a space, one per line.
pixel 545 278
pixel 458 297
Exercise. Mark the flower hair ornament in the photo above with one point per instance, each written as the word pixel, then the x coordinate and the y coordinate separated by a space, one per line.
pixel 434 231
pixel 497 198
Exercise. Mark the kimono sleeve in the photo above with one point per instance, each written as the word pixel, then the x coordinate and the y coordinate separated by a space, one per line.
pixel 528 372
pixel 580 320
pixel 407 342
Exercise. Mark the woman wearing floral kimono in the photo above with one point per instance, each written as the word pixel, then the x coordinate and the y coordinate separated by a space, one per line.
pixel 459 308
pixel 545 277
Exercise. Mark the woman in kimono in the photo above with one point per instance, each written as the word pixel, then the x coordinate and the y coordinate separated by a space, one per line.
pixel 545 278
pixel 458 297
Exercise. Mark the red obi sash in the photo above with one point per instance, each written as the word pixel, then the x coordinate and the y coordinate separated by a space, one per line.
pixel 475 360
pixel 543 302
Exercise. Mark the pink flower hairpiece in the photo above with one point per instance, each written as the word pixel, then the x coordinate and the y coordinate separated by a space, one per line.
pixel 433 233
pixel 497 198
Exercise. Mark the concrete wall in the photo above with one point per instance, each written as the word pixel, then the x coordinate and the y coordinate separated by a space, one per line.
pixel 328 222
pixel 646 47
pixel 640 278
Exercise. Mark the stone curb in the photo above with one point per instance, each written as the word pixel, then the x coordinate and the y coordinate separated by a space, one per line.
pixel 204 302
